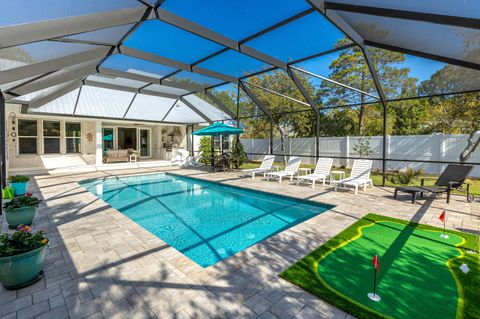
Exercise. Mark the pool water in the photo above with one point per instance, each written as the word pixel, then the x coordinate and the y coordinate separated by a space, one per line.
pixel 205 221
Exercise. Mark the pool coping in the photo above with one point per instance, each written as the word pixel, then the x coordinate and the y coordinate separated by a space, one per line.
pixel 225 261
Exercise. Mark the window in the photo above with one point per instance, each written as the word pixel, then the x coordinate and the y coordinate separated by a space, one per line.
pixel 51 137
pixel 221 142
pixel 73 136
pixel 108 139
pixel 27 136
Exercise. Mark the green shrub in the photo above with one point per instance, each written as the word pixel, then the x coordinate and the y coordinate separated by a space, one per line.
pixel 22 241
pixel 206 149
pixel 18 179
pixel 238 154
pixel 21 201
pixel 404 178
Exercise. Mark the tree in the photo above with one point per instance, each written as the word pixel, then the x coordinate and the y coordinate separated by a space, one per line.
pixel 455 114
pixel 206 148
pixel 299 121
pixel 362 147
pixel 350 68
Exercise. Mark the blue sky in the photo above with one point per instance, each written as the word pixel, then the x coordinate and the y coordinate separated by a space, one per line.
pixel 236 19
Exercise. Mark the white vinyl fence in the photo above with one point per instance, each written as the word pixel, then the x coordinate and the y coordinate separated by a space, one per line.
pixel 435 147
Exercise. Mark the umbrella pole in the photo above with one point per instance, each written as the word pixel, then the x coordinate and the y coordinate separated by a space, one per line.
pixel 213 153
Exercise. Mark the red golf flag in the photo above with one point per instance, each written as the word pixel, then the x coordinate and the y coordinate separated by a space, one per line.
pixel 442 217
pixel 376 263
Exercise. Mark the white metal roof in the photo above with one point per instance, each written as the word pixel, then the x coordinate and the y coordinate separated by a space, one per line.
pixel 99 102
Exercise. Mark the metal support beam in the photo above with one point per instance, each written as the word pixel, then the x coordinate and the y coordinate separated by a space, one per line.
pixel 270 144
pixel 192 147
pixel 254 98
pixel 383 100
pixel 142 90
pixel 150 79
pixel 129 105
pixel 59 77
pixel 44 99
pixel 39 68
pixel 44 30
pixel 444 59
pixel 457 21
pixel 216 37
pixel 169 110
pixel 174 63
pixel 313 105
pixel 220 104
pixel 3 147
pixel 277 93
pixel 96 117
pixel 335 82
pixel 337 21
pixel 193 108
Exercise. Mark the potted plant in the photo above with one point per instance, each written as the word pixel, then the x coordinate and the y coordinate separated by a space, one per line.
pixel 21 210
pixel 21 257
pixel 19 183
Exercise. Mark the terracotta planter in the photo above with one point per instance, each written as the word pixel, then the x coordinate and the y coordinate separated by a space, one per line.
pixel 22 270
pixel 20 216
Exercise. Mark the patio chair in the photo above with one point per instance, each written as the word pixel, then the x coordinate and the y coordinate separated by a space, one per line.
pixel 194 161
pixel 222 162
pixel 292 168
pixel 452 178
pixel 321 172
pixel 264 168
pixel 359 176
pixel 180 157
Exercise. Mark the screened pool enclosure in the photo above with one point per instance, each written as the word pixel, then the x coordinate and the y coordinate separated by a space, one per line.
pixel 268 64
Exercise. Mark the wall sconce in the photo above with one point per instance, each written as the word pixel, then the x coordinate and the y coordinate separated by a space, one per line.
pixel 12 116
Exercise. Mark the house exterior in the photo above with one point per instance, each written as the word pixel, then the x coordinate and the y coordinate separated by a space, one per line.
pixel 44 143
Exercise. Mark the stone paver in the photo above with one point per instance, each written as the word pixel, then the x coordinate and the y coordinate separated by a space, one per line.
pixel 100 264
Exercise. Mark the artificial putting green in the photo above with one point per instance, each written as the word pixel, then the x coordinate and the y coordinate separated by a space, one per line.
pixel 419 271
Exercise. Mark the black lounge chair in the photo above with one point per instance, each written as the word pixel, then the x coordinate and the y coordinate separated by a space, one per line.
pixel 453 177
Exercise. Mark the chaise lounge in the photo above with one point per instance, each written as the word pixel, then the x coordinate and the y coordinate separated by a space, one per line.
pixel 359 176
pixel 292 168
pixel 264 168
pixel 321 172
pixel 453 177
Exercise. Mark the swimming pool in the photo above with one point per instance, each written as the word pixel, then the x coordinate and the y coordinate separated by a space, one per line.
pixel 205 221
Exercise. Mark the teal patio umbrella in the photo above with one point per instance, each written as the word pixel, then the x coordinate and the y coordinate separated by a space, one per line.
pixel 217 129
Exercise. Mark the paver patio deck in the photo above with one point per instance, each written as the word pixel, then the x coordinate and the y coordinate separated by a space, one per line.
pixel 100 264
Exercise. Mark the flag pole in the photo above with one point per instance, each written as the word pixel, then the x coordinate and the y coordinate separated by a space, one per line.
pixel 376 266
pixel 443 218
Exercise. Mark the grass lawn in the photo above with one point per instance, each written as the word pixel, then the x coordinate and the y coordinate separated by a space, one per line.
pixel 377 178
pixel 419 271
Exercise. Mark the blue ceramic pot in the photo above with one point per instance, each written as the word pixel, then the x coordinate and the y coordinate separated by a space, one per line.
pixel 19 189
pixel 20 216
pixel 23 269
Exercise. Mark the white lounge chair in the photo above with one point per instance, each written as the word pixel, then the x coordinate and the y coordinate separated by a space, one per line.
pixel 194 161
pixel 360 176
pixel 292 168
pixel 264 168
pixel 180 157
pixel 321 172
